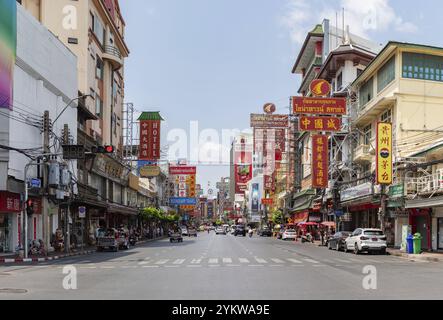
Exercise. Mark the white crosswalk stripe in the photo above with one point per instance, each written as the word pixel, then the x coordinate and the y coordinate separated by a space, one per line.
pixel 213 261
pixel 294 261
pixel 279 261
pixel 262 261
pixel 196 261
pixel 343 260
pixel 164 261
pixel 227 260
pixel 243 260
pixel 179 261
pixel 311 261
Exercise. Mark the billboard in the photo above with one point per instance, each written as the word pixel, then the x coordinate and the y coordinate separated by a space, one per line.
pixel 242 165
pixel 384 153
pixel 320 124
pixel 255 197
pixel 182 201
pixel 182 170
pixel 319 106
pixel 320 161
pixel 8 50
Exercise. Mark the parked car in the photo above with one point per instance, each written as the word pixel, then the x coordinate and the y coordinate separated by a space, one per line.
pixel 233 228
pixel 265 232
pixel 337 241
pixel 366 240
pixel 220 230
pixel 113 239
pixel 192 232
pixel 176 235
pixel 289 234
pixel 184 231
pixel 240 230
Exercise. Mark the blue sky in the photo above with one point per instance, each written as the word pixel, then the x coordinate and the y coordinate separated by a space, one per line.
pixel 217 61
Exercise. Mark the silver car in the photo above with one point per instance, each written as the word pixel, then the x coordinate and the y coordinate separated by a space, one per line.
pixel 366 240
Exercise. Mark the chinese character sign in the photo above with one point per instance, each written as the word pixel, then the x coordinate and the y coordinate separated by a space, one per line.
pixel 384 153
pixel 320 124
pixel 8 48
pixel 149 140
pixel 320 161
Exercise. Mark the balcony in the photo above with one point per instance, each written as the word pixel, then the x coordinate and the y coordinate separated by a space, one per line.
pixel 428 185
pixel 113 55
pixel 363 153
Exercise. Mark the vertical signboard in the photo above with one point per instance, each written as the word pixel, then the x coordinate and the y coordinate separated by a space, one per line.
pixel 320 161
pixel 8 48
pixel 150 123
pixel 242 165
pixel 255 198
pixel 384 153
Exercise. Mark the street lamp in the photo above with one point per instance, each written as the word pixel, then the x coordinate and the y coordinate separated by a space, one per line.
pixel 70 102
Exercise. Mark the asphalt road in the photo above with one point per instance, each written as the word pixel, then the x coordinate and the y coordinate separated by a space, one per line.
pixel 212 267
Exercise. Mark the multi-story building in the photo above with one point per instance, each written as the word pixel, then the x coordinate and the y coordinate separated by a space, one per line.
pixel 44 79
pixel 94 30
pixel 339 57
pixel 404 86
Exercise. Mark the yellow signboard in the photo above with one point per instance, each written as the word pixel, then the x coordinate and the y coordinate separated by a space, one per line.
pixel 149 171
pixel 384 153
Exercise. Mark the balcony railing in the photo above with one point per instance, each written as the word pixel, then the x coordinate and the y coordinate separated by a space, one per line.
pixel 430 184
pixel 363 153
pixel 113 51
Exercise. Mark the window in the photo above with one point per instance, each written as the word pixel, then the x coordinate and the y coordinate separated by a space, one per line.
pixel 386 116
pixel 99 69
pixel 422 66
pixel 340 81
pixel 386 74
pixel 367 135
pixel 366 92
pixel 98 106
pixel 98 29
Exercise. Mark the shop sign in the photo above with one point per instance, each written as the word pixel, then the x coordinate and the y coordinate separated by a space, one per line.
pixel 315 218
pixel 10 202
pixel 149 140
pixel 320 161
pixel 384 153
pixel 319 106
pixel 267 202
pixel 326 124
pixel 82 212
pixel 397 191
pixel 149 171
pixel 359 191
pixel 300 217
pixel 320 88
pixel 182 170
pixel 269 121
pixel 182 201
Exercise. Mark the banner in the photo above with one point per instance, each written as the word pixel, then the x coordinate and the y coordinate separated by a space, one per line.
pixel 320 161
pixel 384 153
pixel 8 50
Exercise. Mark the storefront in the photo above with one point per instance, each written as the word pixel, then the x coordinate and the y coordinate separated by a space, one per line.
pixel 10 224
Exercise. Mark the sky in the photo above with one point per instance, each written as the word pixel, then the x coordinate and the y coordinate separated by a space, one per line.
pixel 218 61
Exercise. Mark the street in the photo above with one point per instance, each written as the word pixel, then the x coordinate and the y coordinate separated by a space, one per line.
pixel 218 267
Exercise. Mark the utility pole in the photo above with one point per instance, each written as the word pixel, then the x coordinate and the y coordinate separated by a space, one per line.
pixel 67 231
pixel 45 203
pixel 384 199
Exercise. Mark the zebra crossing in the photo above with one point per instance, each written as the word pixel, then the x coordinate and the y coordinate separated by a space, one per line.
pixel 236 262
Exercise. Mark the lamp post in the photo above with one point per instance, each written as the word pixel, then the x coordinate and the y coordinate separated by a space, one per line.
pixel 70 102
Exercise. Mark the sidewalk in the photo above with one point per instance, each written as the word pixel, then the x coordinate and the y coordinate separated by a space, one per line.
pixel 426 256
pixel 14 258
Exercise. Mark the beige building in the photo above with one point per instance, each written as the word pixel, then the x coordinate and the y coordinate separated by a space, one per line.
pixel 99 44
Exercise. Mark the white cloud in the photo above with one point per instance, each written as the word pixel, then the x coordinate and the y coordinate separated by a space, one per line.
pixel 363 17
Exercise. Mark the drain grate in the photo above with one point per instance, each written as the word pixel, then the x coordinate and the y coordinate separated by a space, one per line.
pixel 15 291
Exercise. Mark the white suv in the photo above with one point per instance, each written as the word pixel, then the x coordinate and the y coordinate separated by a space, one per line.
pixel 368 240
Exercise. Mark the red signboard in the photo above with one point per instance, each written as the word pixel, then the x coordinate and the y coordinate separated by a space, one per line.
pixel 319 106
pixel 320 124
pixel 149 140
pixel 267 202
pixel 243 174
pixel 182 170
pixel 10 202
pixel 320 161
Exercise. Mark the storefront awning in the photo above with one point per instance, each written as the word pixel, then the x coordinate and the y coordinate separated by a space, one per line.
pixel 424 203
pixel 303 201
pixel 119 209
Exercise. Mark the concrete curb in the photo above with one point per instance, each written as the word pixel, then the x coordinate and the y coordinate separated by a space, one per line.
pixel 415 257
pixel 36 260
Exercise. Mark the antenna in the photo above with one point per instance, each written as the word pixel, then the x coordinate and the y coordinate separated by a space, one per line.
pixel 336 29
pixel 343 26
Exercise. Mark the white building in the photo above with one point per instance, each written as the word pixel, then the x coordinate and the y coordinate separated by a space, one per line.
pixel 45 78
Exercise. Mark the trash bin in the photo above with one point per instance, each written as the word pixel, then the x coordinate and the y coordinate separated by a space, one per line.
pixel 417 243
pixel 410 244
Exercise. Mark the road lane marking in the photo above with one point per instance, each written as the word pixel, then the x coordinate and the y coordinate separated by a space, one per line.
pixel 311 261
pixel 294 261
pixel 88 267
pixel 234 265
pixel 320 265
pixel 259 260
pixel 194 266
pixel 179 261
pixel 227 260
pixel 196 261
pixel 343 260
pixel 276 265
pixel 255 265
pixel 150 267
pixel 214 265
pixel 143 263
pixel 277 260
pixel 164 261
pixel 243 260
pixel 129 267
pixel 107 267
pixel 213 261
pixel 172 266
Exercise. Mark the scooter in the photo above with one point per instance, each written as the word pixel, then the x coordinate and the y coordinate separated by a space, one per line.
pixel 251 233
pixel 132 240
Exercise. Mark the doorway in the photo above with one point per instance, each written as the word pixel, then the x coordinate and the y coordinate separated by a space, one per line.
pixel 440 234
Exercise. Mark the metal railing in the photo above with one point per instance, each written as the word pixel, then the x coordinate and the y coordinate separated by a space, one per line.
pixel 424 185
pixel 113 51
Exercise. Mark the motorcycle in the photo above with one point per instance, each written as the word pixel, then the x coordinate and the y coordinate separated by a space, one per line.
pixel 132 240
pixel 251 233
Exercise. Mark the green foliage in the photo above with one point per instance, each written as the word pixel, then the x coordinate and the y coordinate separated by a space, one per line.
pixel 151 213
pixel 277 217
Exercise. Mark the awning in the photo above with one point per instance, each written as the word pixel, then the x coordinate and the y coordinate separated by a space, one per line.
pixel 307 224
pixel 424 203
pixel 303 200
pixel 120 209
pixel 328 224
pixel 300 217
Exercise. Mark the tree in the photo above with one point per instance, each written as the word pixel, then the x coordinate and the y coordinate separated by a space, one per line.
pixel 277 217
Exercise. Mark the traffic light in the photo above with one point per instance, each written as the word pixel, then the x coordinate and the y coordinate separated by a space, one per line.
pixel 103 150
pixel 29 207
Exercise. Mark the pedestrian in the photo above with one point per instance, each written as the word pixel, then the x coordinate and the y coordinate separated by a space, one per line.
pixel 322 235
